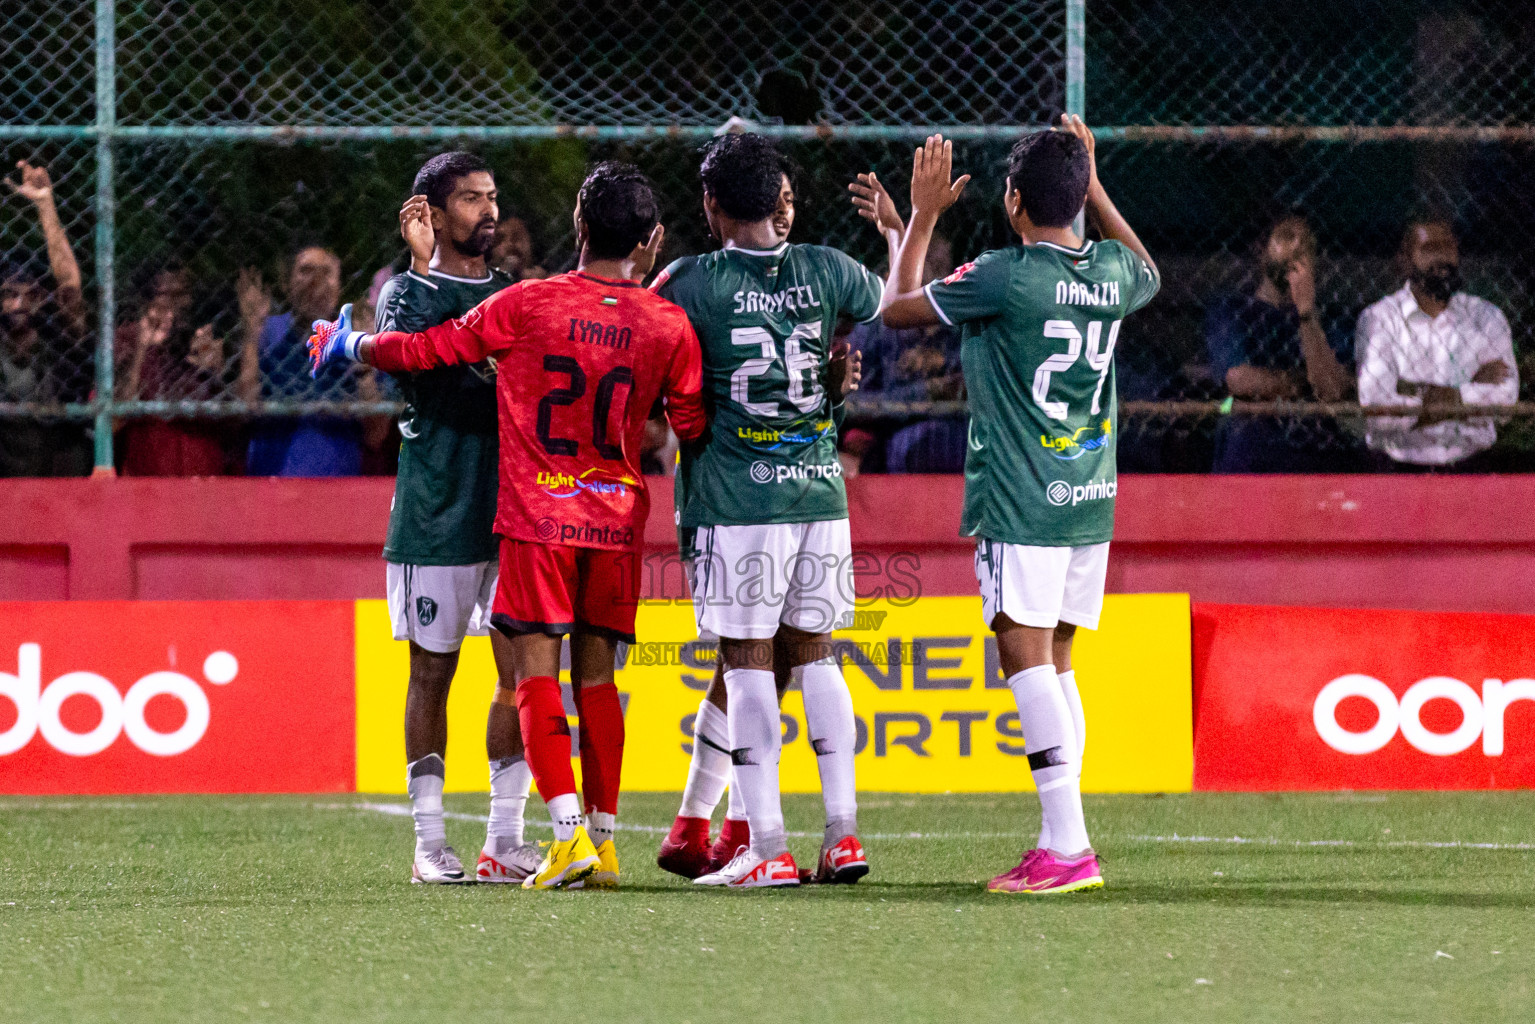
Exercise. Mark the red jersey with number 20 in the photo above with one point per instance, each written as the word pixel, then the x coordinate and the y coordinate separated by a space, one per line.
pixel 580 361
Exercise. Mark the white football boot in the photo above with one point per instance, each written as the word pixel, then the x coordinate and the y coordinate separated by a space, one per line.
pixel 512 865
pixel 438 867
pixel 748 870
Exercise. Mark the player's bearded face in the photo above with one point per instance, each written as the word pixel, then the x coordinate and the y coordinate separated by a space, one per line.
pixel 479 239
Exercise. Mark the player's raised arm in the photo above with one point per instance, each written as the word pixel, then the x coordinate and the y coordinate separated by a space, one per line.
pixel 488 329
pixel 933 190
pixel 875 206
pixel 1111 223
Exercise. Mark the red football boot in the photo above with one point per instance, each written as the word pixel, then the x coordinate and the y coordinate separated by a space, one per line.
pixel 685 850
pixel 842 863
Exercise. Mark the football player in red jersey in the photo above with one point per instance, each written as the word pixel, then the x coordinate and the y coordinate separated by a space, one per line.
pixel 581 359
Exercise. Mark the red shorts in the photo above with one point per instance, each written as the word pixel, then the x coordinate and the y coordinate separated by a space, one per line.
pixel 554 589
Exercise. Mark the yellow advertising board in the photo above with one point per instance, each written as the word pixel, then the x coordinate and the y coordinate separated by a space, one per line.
pixel 934 714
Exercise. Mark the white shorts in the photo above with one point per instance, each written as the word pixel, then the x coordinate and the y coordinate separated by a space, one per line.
pixel 747 580
pixel 436 606
pixel 1041 586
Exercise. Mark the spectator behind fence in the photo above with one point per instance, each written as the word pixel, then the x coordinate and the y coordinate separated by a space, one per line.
pixel 275 366
pixel 918 364
pixel 45 354
pixel 1431 347
pixel 1273 344
pixel 512 251
pixel 163 354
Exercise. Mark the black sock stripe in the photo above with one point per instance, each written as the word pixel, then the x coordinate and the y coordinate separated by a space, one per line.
pixel 706 741
pixel 1047 758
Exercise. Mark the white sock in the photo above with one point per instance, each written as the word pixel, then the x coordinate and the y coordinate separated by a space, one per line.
pixel 709 772
pixel 565 812
pixel 833 736
pixel 600 826
pixel 423 782
pixel 1050 741
pixel 755 742
pixel 735 806
pixel 510 781
pixel 1068 681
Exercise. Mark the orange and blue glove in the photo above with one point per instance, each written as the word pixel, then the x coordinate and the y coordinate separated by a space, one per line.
pixel 333 340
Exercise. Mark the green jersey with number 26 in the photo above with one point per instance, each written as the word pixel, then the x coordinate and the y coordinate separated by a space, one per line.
pixel 765 321
pixel 1040 322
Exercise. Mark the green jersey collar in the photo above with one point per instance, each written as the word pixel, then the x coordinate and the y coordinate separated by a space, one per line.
pixel 779 251
pixel 489 277
pixel 1086 245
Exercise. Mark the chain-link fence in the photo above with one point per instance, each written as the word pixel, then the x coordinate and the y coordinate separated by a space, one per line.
pixel 200 149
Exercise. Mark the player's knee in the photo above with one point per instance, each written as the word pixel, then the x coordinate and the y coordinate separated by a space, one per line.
pixel 1064 632
pixel 432 673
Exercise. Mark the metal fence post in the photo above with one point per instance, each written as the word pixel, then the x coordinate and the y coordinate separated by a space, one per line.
pixel 1076 69
pixel 106 211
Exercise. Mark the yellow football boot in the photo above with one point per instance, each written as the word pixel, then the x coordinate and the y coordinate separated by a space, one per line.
pixel 606 875
pixel 564 863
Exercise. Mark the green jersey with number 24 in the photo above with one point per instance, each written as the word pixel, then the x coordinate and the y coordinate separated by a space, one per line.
pixel 765 321
pixel 1040 322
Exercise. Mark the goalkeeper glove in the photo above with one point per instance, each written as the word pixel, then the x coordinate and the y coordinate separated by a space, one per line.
pixel 333 340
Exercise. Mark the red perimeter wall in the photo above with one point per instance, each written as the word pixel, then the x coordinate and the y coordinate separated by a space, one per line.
pixel 1447 543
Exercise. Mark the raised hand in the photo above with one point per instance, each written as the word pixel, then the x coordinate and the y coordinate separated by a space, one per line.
pixel 1302 281
pixel 416 229
pixel 1074 124
pixel 643 258
pixel 206 353
pixel 932 169
pixel 254 297
pixel 874 203
pixel 34 185
pixel 333 341
pixel 844 371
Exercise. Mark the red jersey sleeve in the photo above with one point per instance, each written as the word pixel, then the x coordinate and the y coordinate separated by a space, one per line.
pixel 683 388
pixel 489 329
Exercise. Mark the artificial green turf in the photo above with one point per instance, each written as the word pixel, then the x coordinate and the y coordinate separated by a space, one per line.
pixel 297 908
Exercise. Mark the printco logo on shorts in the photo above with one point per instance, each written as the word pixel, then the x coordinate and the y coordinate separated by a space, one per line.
pixel 1059 492
pixel 1479 716
pixel 37 709
pixel 763 472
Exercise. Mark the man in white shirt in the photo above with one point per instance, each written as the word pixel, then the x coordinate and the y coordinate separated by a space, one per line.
pixel 1432 348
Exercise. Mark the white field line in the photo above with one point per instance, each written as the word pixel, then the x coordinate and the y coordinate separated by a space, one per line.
pixel 403 811
pixel 1384 844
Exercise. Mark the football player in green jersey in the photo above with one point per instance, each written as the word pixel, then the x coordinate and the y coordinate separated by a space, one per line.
pixel 687 850
pixel 1039 324
pixel 440 553
pixel 764 495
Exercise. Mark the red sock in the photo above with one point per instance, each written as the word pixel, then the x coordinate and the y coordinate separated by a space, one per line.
pixel 602 745
pixel 545 735
pixel 735 834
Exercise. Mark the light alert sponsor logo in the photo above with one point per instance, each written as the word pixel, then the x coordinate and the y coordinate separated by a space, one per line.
pixel 564 485
pixel 38 708
pixel 764 472
pixel 1480 715
pixel 1059 493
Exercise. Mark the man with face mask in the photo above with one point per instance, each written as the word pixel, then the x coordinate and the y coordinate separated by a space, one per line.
pixel 1274 344
pixel 1432 348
